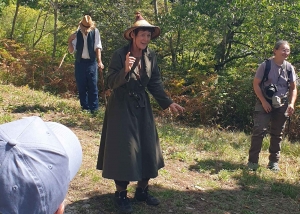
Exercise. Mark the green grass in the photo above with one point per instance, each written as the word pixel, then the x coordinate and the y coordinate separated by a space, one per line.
pixel 205 168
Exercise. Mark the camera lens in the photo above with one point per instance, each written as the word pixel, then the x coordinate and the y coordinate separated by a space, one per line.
pixel 270 92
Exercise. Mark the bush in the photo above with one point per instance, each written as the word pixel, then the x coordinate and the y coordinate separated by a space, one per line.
pixel 226 102
pixel 35 69
pixel 222 101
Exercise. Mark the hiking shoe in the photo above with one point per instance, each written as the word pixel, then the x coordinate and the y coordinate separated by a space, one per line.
pixel 273 166
pixel 122 203
pixel 252 166
pixel 143 195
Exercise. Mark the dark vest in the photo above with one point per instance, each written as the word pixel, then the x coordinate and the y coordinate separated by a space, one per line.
pixel 90 43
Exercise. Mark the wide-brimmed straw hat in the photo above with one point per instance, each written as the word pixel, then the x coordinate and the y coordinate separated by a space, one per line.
pixel 87 22
pixel 141 22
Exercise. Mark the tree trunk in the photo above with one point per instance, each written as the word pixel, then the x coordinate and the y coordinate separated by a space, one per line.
pixel 55 7
pixel 166 5
pixel 36 27
pixel 42 31
pixel 15 19
pixel 223 50
pixel 173 53
pixel 224 47
pixel 155 9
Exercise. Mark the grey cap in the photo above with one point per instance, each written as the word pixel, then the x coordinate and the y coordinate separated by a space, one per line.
pixel 37 162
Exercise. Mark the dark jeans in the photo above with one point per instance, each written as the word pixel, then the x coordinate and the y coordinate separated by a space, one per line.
pixel 276 119
pixel 86 75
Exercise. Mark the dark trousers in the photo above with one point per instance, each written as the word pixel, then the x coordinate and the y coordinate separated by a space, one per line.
pixel 86 75
pixel 276 119
pixel 124 184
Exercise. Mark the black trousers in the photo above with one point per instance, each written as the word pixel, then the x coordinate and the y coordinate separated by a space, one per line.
pixel 124 184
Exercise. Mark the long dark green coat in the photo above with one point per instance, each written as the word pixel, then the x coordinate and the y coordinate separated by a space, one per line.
pixel 129 146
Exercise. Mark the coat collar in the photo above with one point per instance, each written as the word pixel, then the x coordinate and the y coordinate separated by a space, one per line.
pixel 147 60
pixel 147 57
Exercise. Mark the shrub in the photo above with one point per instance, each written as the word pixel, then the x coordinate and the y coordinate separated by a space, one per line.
pixel 35 69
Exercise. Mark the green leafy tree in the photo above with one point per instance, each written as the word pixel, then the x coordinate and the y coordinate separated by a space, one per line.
pixel 18 4
pixel 207 51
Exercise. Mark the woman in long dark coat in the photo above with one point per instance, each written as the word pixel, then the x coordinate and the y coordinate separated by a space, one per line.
pixel 129 147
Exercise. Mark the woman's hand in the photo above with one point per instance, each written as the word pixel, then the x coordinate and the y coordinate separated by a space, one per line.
pixel 175 108
pixel 129 62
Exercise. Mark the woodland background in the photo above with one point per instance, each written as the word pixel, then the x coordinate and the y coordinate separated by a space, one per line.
pixel 208 51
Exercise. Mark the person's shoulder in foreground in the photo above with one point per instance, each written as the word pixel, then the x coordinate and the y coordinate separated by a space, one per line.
pixel 37 162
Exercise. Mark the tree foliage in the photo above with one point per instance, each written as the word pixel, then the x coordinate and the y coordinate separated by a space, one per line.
pixel 208 51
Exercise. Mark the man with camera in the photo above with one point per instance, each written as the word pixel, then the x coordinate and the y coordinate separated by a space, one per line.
pixel 275 87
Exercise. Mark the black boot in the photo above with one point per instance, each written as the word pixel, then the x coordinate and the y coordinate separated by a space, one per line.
pixel 122 202
pixel 143 195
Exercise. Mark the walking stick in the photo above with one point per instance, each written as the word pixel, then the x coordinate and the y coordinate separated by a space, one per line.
pixel 103 93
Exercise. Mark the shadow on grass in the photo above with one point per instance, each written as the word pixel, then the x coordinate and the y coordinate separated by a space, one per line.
pixel 172 201
pixel 83 120
pixel 215 166
pixel 246 178
pixel 32 108
pixel 253 195
pixel 86 122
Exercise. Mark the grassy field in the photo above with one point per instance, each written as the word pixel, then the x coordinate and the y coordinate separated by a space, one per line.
pixel 205 168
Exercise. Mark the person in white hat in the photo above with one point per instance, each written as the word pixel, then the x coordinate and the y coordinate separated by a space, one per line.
pixel 87 46
pixel 129 148
pixel 37 162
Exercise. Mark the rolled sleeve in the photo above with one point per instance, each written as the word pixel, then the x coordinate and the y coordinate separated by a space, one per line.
pixel 260 71
pixel 74 45
pixel 293 77
pixel 98 44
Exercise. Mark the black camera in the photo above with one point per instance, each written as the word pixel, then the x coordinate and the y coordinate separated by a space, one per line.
pixel 270 90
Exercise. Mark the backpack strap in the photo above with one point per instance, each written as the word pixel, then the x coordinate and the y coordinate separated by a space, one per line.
pixel 289 72
pixel 288 69
pixel 267 71
pixel 265 78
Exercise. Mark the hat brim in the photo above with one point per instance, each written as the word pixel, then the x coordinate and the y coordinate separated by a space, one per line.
pixel 91 25
pixel 154 34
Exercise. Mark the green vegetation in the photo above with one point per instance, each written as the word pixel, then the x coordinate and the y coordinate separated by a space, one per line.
pixel 208 51
pixel 205 168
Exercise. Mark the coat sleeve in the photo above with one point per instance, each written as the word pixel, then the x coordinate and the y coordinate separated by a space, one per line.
pixel 155 87
pixel 116 72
